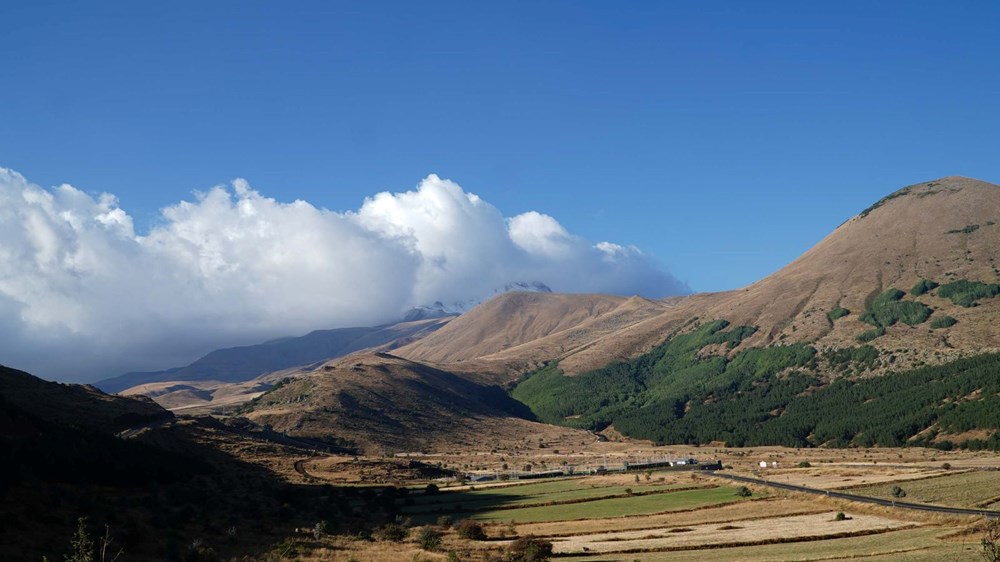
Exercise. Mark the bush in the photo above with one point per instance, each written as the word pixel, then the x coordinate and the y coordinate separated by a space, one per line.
pixel 429 539
pixel 888 308
pixel 393 532
pixel 744 492
pixel 840 516
pixel 871 334
pixel 320 529
pixel 444 521
pixel 898 492
pixel 836 313
pixel 804 464
pixel 923 286
pixel 469 529
pixel 431 489
pixel 528 549
pixel 943 322
pixel 966 293
pixel 946 466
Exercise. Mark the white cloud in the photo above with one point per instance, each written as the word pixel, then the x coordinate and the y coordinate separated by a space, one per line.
pixel 82 295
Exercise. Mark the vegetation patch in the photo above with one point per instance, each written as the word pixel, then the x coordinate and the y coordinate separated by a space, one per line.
pixel 836 313
pixel 968 229
pixel 923 286
pixel 888 308
pixel 860 358
pixel 646 393
pixel 883 201
pixel 943 322
pixel 967 293
pixel 614 507
pixel 870 335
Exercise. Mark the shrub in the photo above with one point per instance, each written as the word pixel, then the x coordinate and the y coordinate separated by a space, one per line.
pixel 744 492
pixel 528 549
pixel 840 516
pixel 836 313
pixel 946 466
pixel 943 322
pixel 871 334
pixel 888 308
pixel 966 293
pixel 444 521
pixel 804 464
pixel 469 529
pixel 968 229
pixel 923 286
pixel 429 539
pixel 393 532
pixel 898 492
pixel 431 489
pixel 82 546
pixel 320 529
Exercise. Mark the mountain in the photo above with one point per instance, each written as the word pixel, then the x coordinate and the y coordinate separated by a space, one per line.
pixel 381 403
pixel 941 231
pixel 891 317
pixel 238 364
pixel 516 331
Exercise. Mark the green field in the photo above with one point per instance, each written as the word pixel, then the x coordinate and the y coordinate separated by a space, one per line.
pixel 966 489
pixel 614 507
pixel 527 494
pixel 917 545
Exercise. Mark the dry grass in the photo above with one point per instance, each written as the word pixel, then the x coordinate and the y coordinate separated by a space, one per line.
pixel 966 489
pixel 789 528
pixel 919 545
pixel 712 515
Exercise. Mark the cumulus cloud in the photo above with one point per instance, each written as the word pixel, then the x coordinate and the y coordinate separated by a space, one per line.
pixel 83 295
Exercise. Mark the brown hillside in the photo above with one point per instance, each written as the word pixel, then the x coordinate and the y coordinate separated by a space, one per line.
pixel 386 404
pixel 524 328
pixel 917 232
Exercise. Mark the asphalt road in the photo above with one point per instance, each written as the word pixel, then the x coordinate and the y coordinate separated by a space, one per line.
pixel 865 499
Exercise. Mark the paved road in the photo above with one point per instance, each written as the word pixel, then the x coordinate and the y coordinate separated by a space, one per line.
pixel 878 501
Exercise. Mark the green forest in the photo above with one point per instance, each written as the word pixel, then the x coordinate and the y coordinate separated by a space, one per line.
pixel 771 396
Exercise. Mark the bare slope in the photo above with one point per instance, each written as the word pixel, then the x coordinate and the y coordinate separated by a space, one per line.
pixel 521 329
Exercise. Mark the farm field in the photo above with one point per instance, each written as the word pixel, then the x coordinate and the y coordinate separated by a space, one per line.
pixel 677 515
pixel 531 494
pixel 655 501
pixel 966 489
pixel 914 545
pixel 811 527
pixel 832 477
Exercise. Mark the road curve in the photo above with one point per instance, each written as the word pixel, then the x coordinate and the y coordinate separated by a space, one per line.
pixel 865 499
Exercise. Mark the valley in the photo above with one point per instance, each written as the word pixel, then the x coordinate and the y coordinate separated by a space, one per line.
pixel 867 367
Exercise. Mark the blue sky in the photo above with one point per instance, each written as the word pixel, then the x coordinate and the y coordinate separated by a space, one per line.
pixel 722 138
